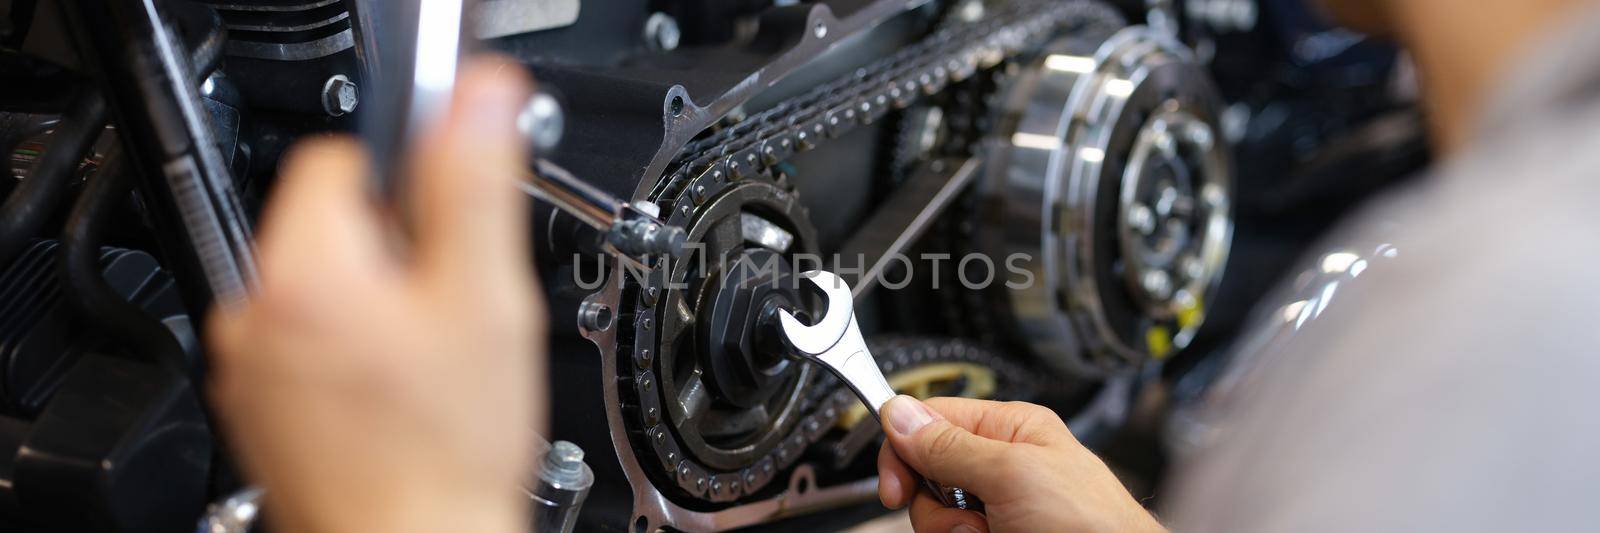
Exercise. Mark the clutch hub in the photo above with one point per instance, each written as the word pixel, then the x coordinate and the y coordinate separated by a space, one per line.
pixel 1107 174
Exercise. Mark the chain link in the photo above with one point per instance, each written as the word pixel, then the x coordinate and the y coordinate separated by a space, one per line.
pixel 753 149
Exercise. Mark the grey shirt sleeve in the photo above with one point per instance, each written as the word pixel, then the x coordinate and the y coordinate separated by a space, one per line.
pixel 1453 389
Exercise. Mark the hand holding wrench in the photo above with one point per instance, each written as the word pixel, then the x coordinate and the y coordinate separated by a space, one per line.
pixel 835 342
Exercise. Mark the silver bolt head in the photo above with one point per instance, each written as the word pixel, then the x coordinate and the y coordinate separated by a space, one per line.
pixel 566 453
pixel 1167 201
pixel 1141 219
pixel 1199 133
pixel 542 122
pixel 1193 267
pixel 661 32
pixel 1157 284
pixel 563 466
pixel 340 96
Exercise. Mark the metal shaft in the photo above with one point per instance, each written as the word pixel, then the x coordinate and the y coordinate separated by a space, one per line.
pixel 589 204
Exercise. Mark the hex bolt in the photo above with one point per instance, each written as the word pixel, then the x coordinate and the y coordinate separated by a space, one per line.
pixel 562 486
pixel 1199 133
pixel 1141 219
pixel 1167 200
pixel 1193 267
pixel 661 32
pixel 542 122
pixel 1157 284
pixel 564 460
pixel 340 96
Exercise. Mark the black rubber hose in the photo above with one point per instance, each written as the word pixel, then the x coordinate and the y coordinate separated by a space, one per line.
pixel 88 292
pixel 36 199
pixel 209 34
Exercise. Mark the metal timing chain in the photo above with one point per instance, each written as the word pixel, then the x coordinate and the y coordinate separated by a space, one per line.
pixel 757 146
pixel 965 312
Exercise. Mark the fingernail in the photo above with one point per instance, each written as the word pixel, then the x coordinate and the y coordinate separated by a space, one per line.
pixel 964 528
pixel 907 415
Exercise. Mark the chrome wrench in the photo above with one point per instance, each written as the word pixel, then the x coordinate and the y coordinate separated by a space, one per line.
pixel 412 49
pixel 835 342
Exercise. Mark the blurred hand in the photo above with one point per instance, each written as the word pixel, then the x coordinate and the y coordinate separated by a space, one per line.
pixel 1019 458
pixel 370 386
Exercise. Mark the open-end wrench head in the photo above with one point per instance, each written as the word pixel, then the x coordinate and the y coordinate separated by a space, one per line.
pixel 817 339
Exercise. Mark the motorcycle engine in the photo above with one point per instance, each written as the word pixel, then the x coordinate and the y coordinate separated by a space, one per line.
pixel 1034 200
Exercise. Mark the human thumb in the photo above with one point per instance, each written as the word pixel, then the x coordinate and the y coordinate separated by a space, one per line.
pixel 941 450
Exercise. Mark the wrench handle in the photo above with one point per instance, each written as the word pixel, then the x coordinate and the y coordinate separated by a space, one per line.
pixel 955 497
pixel 860 372
pixel 835 342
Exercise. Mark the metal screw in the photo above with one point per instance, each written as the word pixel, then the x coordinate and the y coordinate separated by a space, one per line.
pixel 1166 200
pixel 1141 219
pixel 1200 134
pixel 340 96
pixel 1158 284
pixel 661 32
pixel 1193 267
pixel 542 122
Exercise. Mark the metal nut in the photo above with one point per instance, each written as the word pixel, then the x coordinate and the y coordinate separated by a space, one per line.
pixel 340 96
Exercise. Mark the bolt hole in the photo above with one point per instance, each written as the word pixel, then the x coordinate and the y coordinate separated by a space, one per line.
pixel 641 525
pixel 820 29
pixel 676 106
pixel 803 485
pixel 596 316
